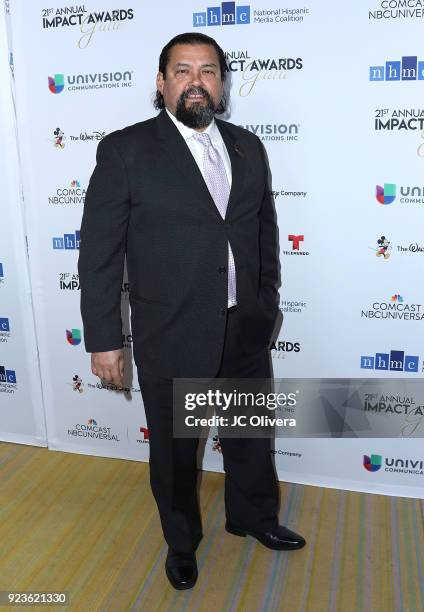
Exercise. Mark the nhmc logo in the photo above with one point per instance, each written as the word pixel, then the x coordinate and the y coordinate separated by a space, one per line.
pixel 7 376
pixel 69 242
pixel 395 361
pixel 226 14
pixel 408 69
pixel 4 325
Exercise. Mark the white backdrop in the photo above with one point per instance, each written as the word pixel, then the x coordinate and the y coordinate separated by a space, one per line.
pixel 300 79
pixel 21 406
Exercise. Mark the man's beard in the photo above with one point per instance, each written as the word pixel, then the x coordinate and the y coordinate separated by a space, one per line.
pixel 198 114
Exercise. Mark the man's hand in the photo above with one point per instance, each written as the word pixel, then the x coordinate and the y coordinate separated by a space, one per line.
pixel 109 366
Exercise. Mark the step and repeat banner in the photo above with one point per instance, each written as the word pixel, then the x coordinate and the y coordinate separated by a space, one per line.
pixel 336 98
pixel 21 405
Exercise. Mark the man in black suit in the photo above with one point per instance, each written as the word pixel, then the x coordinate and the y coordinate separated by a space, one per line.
pixel 185 198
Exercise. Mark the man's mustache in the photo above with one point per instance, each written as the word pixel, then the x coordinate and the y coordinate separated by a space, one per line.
pixel 195 91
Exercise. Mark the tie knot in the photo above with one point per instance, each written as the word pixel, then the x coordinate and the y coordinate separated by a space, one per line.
pixel 203 138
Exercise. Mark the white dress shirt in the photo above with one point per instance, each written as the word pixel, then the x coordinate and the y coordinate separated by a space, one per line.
pixel 197 148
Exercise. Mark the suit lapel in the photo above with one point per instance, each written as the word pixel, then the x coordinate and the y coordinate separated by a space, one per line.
pixel 176 148
pixel 238 164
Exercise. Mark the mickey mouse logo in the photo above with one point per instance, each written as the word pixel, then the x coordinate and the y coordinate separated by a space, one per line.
pixel 59 137
pixel 77 384
pixel 216 444
pixel 383 247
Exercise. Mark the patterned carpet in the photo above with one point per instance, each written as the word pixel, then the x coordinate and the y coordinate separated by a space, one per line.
pixel 88 525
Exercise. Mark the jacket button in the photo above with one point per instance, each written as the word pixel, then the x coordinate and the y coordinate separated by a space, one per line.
pixel 222 269
pixel 222 312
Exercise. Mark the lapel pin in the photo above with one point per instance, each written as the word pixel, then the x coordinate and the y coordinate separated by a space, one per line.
pixel 238 150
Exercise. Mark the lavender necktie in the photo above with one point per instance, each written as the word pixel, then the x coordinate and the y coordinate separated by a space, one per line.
pixel 219 188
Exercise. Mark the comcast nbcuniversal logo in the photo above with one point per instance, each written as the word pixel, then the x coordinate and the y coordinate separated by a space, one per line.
pixel 91 80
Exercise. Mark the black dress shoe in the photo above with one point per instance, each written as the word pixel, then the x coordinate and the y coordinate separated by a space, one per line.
pixel 279 538
pixel 181 569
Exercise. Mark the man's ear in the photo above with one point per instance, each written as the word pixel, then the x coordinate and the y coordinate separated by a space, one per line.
pixel 160 82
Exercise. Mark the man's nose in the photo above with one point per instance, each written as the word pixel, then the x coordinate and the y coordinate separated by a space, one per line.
pixel 196 78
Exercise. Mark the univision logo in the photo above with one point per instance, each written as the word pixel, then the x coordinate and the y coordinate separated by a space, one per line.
pixel 92 80
pixel 386 194
pixel 408 194
pixel 56 83
pixel 274 131
pixel 73 336
pixel 372 463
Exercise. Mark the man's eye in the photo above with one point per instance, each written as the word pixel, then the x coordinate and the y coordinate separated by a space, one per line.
pixel 180 70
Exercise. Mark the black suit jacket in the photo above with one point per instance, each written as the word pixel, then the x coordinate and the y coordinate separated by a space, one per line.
pixel 147 200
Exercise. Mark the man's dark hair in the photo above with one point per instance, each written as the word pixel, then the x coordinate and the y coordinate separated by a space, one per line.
pixel 191 38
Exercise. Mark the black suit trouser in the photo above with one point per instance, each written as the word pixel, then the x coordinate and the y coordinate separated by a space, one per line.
pixel 251 485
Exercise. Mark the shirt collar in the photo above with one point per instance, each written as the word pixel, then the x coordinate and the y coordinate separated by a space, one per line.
pixel 187 132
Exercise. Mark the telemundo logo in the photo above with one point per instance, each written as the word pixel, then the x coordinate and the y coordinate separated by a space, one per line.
pixel 226 14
